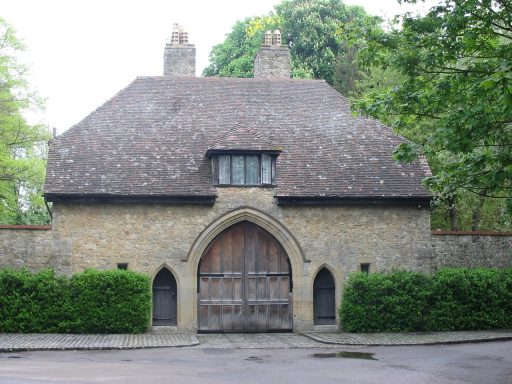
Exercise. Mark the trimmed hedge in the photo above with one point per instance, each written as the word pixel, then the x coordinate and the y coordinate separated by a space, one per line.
pixel 33 302
pixel 450 300
pixel 93 301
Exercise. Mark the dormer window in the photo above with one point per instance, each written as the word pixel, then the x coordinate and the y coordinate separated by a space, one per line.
pixel 244 169
pixel 241 157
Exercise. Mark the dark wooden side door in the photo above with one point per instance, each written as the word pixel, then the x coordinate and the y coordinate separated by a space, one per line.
pixel 324 303
pixel 245 283
pixel 164 298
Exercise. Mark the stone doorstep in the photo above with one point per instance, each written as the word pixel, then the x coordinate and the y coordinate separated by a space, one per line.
pixel 326 328
pixel 164 329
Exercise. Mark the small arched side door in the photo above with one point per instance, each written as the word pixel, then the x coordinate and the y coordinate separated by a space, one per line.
pixel 324 302
pixel 164 298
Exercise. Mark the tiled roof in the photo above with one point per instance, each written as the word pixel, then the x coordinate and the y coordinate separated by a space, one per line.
pixel 242 138
pixel 151 139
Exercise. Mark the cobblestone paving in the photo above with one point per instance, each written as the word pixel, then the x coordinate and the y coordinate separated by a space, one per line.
pixel 26 342
pixel 407 338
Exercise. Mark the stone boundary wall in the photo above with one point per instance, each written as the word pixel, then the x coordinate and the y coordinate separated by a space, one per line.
pixel 472 249
pixel 33 247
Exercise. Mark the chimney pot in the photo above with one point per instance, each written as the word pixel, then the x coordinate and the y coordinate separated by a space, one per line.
pixel 273 59
pixel 276 38
pixel 268 38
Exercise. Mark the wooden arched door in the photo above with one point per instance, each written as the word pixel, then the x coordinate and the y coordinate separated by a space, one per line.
pixel 164 298
pixel 244 283
pixel 324 302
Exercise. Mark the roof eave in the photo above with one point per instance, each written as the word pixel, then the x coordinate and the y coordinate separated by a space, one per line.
pixel 120 198
pixel 216 151
pixel 416 201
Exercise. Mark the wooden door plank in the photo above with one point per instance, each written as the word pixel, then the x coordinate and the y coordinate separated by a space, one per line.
pixel 244 282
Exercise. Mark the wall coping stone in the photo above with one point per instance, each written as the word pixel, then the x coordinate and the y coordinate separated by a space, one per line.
pixel 31 227
pixel 471 233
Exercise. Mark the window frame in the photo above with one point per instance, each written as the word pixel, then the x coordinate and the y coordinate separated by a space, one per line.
pixel 216 163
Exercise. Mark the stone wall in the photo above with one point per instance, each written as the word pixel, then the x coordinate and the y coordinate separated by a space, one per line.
pixel 472 250
pixel 148 235
pixel 33 247
pixel 151 236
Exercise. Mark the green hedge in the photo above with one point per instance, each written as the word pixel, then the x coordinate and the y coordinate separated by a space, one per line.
pixel 451 299
pixel 89 302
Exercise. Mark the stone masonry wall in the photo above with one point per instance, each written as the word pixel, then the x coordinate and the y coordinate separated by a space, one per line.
pixel 148 235
pixel 33 248
pixel 151 236
pixel 465 249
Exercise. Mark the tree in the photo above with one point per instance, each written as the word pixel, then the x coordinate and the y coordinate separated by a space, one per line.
pixel 235 56
pixel 457 61
pixel 314 31
pixel 22 146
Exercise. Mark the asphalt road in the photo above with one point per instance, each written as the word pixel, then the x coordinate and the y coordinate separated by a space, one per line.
pixel 489 362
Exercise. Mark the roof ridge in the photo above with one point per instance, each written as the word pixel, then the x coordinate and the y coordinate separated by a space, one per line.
pixel 226 78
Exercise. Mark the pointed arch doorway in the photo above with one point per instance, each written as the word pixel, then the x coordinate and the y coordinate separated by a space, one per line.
pixel 324 302
pixel 244 282
pixel 164 298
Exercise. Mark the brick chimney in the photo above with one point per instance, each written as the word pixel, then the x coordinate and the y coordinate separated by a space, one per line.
pixel 179 55
pixel 273 59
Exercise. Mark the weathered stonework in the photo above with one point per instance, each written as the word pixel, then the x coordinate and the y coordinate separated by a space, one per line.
pixel 180 60
pixel 472 250
pixel 272 62
pixel 33 248
pixel 149 236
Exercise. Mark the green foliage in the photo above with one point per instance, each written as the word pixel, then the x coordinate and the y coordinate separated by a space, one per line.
pixel 33 302
pixel 22 146
pixel 314 31
pixel 455 101
pixel 377 302
pixel 452 299
pixel 464 299
pixel 114 301
pixel 235 56
pixel 473 213
pixel 92 301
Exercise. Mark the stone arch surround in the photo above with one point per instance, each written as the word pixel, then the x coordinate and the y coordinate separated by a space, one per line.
pixel 302 312
pixel 265 221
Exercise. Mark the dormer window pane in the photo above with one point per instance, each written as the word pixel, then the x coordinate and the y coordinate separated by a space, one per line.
pixel 224 169
pixel 266 169
pixel 252 170
pixel 244 169
pixel 238 171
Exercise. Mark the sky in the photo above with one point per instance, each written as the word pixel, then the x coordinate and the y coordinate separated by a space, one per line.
pixel 82 52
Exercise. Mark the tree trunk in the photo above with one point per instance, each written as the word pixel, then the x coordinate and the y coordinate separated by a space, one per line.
pixel 476 216
pixel 452 211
